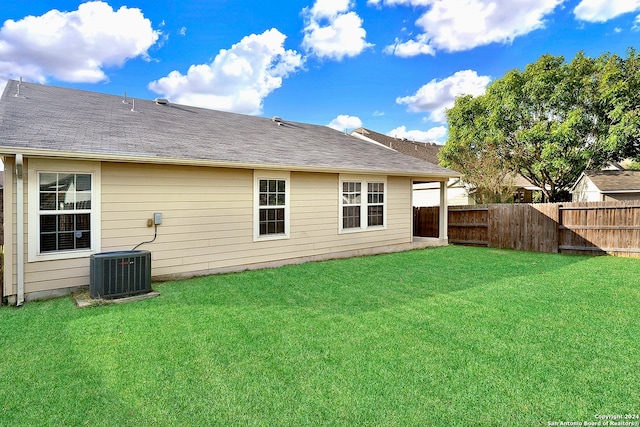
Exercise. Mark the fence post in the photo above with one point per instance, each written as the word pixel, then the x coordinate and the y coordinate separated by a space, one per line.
pixel 559 227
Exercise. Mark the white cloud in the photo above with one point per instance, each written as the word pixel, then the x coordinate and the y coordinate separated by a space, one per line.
pixel 74 46
pixel 411 48
pixel 238 79
pixel 345 122
pixel 432 135
pixel 332 31
pixel 458 25
pixel 329 8
pixel 604 10
pixel 438 95
pixel 411 3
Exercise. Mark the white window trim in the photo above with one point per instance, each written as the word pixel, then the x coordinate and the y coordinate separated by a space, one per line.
pixel 36 166
pixel 257 176
pixel 364 205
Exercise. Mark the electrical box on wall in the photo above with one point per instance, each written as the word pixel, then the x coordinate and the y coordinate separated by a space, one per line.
pixel 157 218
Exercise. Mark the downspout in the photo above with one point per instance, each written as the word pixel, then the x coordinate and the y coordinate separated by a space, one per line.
pixel 19 230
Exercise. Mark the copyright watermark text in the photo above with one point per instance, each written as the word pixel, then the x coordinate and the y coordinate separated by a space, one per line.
pixel 608 420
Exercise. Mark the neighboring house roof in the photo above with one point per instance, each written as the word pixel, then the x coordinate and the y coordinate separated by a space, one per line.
pixel 427 151
pixel 53 121
pixel 522 182
pixel 613 181
pixel 614 166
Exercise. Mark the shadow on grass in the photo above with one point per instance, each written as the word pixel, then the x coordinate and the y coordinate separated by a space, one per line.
pixel 364 283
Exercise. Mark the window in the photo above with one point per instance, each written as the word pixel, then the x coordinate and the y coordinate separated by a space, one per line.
pixel 272 207
pixel 375 204
pixel 362 205
pixel 64 211
pixel 351 204
pixel 272 203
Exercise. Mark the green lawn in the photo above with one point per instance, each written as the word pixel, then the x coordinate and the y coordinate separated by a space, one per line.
pixel 454 336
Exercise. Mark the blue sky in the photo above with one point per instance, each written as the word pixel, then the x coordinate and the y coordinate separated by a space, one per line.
pixel 392 66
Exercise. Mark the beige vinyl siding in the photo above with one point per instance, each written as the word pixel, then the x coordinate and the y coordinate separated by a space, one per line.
pixel 52 274
pixel 208 221
pixel 46 275
pixel 206 213
pixel 208 217
pixel 58 274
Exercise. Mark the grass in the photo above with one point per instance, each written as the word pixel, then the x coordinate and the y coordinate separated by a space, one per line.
pixel 453 336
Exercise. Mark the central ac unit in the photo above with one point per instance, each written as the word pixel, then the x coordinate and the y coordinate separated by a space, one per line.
pixel 120 274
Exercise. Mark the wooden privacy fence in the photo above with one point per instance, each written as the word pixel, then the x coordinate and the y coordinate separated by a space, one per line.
pixel 586 228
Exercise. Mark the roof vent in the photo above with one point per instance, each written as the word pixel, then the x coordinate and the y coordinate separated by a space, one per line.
pixel 162 101
pixel 277 119
pixel 18 95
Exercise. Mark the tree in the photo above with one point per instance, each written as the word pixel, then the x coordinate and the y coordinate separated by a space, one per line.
pixel 551 122
pixel 634 166
pixel 554 120
pixel 471 149
pixel 619 94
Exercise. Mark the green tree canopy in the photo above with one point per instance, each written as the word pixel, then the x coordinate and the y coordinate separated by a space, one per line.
pixel 550 122
pixel 475 152
pixel 619 97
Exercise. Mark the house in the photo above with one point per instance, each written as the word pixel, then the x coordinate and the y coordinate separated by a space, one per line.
pixel 427 194
pixel 86 172
pixel 427 151
pixel 424 193
pixel 607 185
pixel 525 191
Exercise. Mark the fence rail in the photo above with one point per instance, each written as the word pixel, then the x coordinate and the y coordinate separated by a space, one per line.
pixel 587 227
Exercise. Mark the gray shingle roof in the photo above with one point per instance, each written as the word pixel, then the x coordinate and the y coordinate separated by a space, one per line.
pixel 422 150
pixel 49 120
pixel 625 180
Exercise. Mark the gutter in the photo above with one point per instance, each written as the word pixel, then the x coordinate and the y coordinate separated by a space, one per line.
pixel 19 230
pixel 619 191
pixel 149 158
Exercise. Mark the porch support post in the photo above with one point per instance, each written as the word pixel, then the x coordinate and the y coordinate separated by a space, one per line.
pixel 444 214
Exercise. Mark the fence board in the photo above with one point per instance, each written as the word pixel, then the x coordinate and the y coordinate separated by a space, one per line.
pixel 468 225
pixel 612 228
pixel 587 227
pixel 426 221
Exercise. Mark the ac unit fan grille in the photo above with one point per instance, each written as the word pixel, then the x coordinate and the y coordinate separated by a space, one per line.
pixel 120 274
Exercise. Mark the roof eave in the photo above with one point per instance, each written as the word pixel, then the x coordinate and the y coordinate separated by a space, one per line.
pixel 153 159
pixel 575 184
pixel 619 191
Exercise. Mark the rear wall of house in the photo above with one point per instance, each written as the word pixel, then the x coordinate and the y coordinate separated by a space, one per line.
pixel 586 191
pixel 208 222
pixel 208 217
